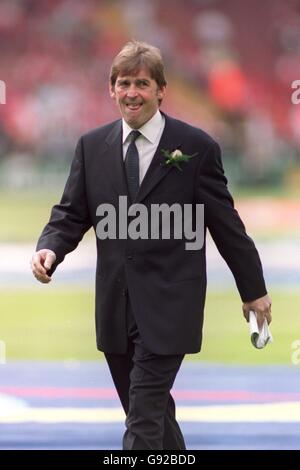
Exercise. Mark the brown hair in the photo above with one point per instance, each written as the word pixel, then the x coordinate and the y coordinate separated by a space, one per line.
pixel 134 56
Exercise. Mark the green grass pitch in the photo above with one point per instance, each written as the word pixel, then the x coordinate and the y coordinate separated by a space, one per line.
pixel 52 323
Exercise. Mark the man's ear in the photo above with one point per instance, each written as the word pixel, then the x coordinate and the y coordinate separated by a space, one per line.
pixel 112 91
pixel 161 92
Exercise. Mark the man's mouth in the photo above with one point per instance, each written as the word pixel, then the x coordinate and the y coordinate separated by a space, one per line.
pixel 133 106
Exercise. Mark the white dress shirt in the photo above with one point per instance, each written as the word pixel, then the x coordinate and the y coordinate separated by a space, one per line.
pixel 147 142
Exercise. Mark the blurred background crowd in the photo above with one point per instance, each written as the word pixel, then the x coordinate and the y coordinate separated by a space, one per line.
pixel 229 65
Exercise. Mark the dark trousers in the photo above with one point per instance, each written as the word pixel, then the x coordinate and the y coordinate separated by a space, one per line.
pixel 143 381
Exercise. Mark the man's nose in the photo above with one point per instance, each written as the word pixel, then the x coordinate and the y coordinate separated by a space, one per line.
pixel 132 91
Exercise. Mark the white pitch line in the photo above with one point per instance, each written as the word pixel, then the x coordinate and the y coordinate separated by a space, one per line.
pixel 286 412
pixel 256 413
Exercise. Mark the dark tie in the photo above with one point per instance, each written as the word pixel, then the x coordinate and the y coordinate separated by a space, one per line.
pixel 132 166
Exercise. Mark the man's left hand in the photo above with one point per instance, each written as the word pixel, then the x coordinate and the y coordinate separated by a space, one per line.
pixel 262 308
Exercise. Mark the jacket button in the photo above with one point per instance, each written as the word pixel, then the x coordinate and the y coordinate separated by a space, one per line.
pixel 130 257
pixel 124 292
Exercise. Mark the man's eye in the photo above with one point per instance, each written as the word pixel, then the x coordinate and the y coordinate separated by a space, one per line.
pixel 123 84
pixel 142 83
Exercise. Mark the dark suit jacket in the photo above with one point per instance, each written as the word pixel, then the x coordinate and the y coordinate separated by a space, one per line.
pixel 165 282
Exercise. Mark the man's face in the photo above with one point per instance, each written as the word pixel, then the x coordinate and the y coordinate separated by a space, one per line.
pixel 137 97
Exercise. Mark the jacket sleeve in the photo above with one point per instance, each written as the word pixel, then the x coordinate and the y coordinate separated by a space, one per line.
pixel 70 218
pixel 226 226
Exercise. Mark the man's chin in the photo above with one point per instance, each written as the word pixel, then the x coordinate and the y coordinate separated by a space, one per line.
pixel 134 123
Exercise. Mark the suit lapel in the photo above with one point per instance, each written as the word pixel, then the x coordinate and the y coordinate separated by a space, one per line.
pixel 114 163
pixel 170 140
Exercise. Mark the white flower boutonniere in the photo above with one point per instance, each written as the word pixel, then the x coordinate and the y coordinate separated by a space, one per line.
pixel 176 157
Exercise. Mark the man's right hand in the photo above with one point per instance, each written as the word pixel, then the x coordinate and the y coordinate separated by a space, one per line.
pixel 41 262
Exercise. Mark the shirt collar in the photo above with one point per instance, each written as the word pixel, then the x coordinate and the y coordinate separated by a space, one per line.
pixel 150 130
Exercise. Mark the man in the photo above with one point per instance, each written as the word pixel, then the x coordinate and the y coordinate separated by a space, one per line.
pixel 150 293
